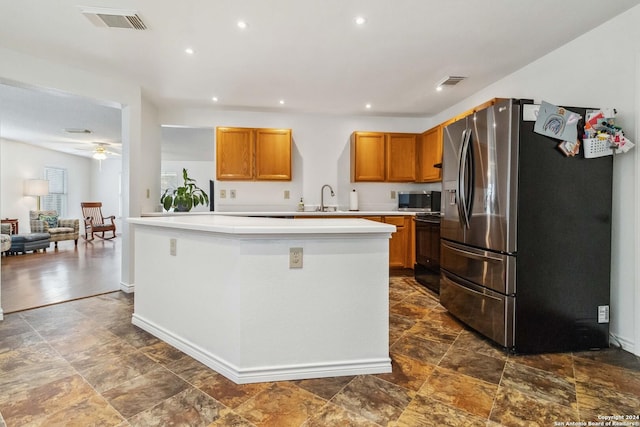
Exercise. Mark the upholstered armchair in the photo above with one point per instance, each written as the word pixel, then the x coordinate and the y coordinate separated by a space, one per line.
pixel 58 228
pixel 5 238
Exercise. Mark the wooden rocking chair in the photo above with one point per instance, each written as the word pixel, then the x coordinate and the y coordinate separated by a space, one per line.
pixel 94 222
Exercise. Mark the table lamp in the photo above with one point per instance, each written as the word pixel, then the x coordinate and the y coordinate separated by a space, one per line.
pixel 37 188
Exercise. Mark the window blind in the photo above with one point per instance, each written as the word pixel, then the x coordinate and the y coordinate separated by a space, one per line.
pixel 57 198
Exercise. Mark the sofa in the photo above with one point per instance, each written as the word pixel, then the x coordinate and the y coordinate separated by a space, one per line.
pixel 58 228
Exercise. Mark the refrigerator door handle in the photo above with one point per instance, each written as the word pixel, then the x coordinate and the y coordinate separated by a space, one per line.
pixel 484 256
pixel 460 190
pixel 465 173
pixel 469 183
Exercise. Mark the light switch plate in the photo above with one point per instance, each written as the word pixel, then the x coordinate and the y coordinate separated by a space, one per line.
pixel 173 246
pixel 232 194
pixel 223 194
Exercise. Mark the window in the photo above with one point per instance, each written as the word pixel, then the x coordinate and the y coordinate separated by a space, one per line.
pixel 168 180
pixel 57 198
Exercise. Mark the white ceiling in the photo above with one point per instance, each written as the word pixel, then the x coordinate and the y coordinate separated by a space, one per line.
pixel 309 53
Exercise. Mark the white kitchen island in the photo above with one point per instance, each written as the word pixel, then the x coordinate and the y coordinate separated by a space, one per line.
pixel 220 288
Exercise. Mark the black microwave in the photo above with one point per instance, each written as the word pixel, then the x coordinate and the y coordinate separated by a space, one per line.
pixel 419 201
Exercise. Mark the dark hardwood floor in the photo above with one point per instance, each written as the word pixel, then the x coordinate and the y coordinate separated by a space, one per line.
pixel 62 274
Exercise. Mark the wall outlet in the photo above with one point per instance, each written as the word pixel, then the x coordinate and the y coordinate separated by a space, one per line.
pixel 393 194
pixel 603 314
pixel 223 194
pixel 286 194
pixel 295 257
pixel 232 194
pixel 173 246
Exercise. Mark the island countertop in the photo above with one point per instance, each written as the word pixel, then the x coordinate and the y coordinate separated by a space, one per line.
pixel 285 214
pixel 229 224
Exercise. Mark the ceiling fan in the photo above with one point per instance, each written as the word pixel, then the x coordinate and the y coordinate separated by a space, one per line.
pixel 100 150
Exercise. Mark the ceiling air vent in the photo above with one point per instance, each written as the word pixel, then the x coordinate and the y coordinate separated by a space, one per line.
pixel 113 18
pixel 77 130
pixel 451 80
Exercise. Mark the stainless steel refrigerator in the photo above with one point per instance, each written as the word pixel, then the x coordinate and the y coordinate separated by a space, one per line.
pixel 526 234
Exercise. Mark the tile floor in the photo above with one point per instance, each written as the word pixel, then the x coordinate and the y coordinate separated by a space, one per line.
pixel 82 363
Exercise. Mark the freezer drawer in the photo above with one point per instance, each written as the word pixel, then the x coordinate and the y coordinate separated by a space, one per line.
pixel 486 311
pixel 492 270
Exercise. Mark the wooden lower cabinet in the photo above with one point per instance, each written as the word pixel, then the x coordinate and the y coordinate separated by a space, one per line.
pixel 401 246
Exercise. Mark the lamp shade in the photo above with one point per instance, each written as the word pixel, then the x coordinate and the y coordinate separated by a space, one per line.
pixel 36 187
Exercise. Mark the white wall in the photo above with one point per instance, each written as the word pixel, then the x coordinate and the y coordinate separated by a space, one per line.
pixel 21 161
pixel 598 69
pixel 105 187
pixel 320 156
pixel 149 164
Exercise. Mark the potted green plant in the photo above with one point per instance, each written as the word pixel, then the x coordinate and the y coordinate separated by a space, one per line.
pixel 183 198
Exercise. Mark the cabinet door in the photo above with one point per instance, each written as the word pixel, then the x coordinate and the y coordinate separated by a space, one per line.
pixel 401 157
pixel 429 155
pixel 367 156
pixel 273 154
pixel 234 153
pixel 399 243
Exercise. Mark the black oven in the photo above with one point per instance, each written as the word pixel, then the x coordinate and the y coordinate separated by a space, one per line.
pixel 427 266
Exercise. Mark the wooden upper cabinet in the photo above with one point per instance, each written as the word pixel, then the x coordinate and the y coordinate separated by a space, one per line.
pixel 273 154
pixel 253 154
pixel 482 106
pixel 379 157
pixel 429 156
pixel 234 153
pixel 401 157
pixel 368 156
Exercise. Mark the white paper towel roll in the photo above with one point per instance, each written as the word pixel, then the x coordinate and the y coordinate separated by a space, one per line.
pixel 353 200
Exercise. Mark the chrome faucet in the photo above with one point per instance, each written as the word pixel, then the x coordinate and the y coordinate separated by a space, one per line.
pixel 323 208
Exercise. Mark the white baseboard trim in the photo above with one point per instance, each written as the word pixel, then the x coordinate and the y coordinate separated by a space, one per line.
pixel 265 373
pixel 127 288
pixel 627 344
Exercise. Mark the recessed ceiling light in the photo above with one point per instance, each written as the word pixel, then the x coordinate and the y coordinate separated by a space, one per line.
pixel 189 51
pixel 439 88
pixel 281 102
pixel 360 20
pixel 242 24
pixel 214 99
pixel 367 106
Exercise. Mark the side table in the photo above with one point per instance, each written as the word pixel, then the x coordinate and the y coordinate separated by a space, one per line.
pixel 14 224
